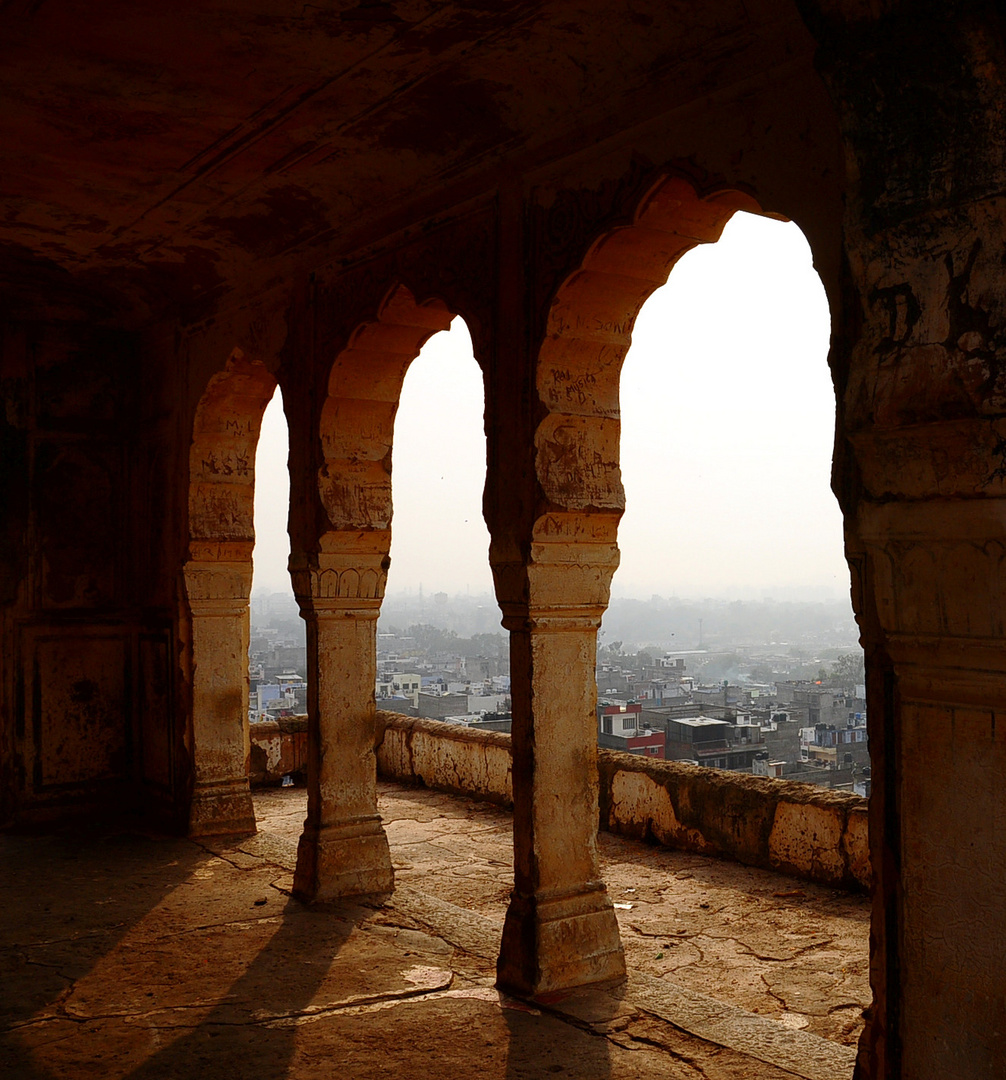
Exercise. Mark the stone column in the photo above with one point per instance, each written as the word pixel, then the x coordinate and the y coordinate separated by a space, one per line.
pixel 934 577
pixel 560 928
pixel 218 583
pixel 343 850
pixel 919 358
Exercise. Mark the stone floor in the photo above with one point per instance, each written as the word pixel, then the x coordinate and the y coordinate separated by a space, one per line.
pixel 131 956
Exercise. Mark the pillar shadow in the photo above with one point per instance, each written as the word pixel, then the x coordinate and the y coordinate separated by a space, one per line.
pixel 541 1046
pixel 240 1036
pixel 67 899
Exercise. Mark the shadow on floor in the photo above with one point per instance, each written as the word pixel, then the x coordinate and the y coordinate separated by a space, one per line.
pixel 250 1034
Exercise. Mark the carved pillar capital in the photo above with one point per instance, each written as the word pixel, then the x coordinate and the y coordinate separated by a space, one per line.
pixel 564 582
pixel 347 583
pixel 937 574
pixel 217 587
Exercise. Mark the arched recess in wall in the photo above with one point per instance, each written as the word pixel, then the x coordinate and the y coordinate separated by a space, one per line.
pixel 218 572
pixel 589 330
pixel 358 430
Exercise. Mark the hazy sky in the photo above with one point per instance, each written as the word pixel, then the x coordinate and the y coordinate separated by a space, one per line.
pixel 727 425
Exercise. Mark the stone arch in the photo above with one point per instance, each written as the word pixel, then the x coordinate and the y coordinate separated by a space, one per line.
pixel 218 575
pixel 588 332
pixel 358 416
pixel 553 582
pixel 225 433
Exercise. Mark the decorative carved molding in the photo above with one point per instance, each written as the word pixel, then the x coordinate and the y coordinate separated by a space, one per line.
pixel 354 578
pixel 561 581
pixel 218 581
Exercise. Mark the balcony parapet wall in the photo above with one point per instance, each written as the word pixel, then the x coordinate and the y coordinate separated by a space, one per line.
pixel 796 829
pixel 445 757
pixel 278 748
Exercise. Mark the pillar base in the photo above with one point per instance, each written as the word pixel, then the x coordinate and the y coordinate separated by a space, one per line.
pixel 348 859
pixel 222 808
pixel 558 943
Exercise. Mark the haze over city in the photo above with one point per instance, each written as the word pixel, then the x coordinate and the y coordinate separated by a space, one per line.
pixel 727 431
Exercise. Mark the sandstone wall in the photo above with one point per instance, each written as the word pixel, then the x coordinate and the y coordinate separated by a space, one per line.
pixel 793 828
pixel 278 748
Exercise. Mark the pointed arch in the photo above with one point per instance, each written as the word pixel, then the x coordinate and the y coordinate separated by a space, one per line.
pixel 553 582
pixel 343 849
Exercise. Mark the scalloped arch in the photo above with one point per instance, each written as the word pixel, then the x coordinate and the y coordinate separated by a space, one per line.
pixel 358 416
pixel 589 330
pixel 225 434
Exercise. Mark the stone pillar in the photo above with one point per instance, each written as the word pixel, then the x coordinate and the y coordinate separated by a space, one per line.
pixel 919 358
pixel 934 575
pixel 560 928
pixel 218 583
pixel 343 850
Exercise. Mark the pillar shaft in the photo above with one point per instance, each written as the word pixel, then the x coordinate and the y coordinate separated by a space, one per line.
pixel 934 573
pixel 343 850
pixel 218 599
pixel 560 928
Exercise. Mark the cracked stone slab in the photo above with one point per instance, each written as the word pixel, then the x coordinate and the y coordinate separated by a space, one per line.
pixel 737 933
pixel 803 1054
pixel 252 851
pixel 799 1052
pixel 159 959
pixel 475 934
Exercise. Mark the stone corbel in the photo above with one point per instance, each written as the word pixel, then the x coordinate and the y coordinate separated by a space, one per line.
pixel 218 576
pixel 566 579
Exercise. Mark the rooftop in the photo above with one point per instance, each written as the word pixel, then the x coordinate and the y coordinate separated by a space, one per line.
pixel 701 721
pixel 139 956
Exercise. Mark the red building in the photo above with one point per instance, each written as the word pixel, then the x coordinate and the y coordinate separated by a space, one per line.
pixel 620 727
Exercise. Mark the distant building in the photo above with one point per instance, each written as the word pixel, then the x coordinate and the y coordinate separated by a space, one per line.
pixel 705 740
pixel 835 747
pixel 763 765
pixel 441 706
pixel 621 727
pixel 488 703
pixel 399 685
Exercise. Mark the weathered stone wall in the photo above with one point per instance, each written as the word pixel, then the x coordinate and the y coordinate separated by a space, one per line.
pixel 794 828
pixel 447 757
pixel 85 615
pixel 921 381
pixel 278 749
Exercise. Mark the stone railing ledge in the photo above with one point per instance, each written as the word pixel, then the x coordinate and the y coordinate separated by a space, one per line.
pixel 796 829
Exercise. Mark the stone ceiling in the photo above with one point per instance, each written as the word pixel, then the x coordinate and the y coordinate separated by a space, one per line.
pixel 149 151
